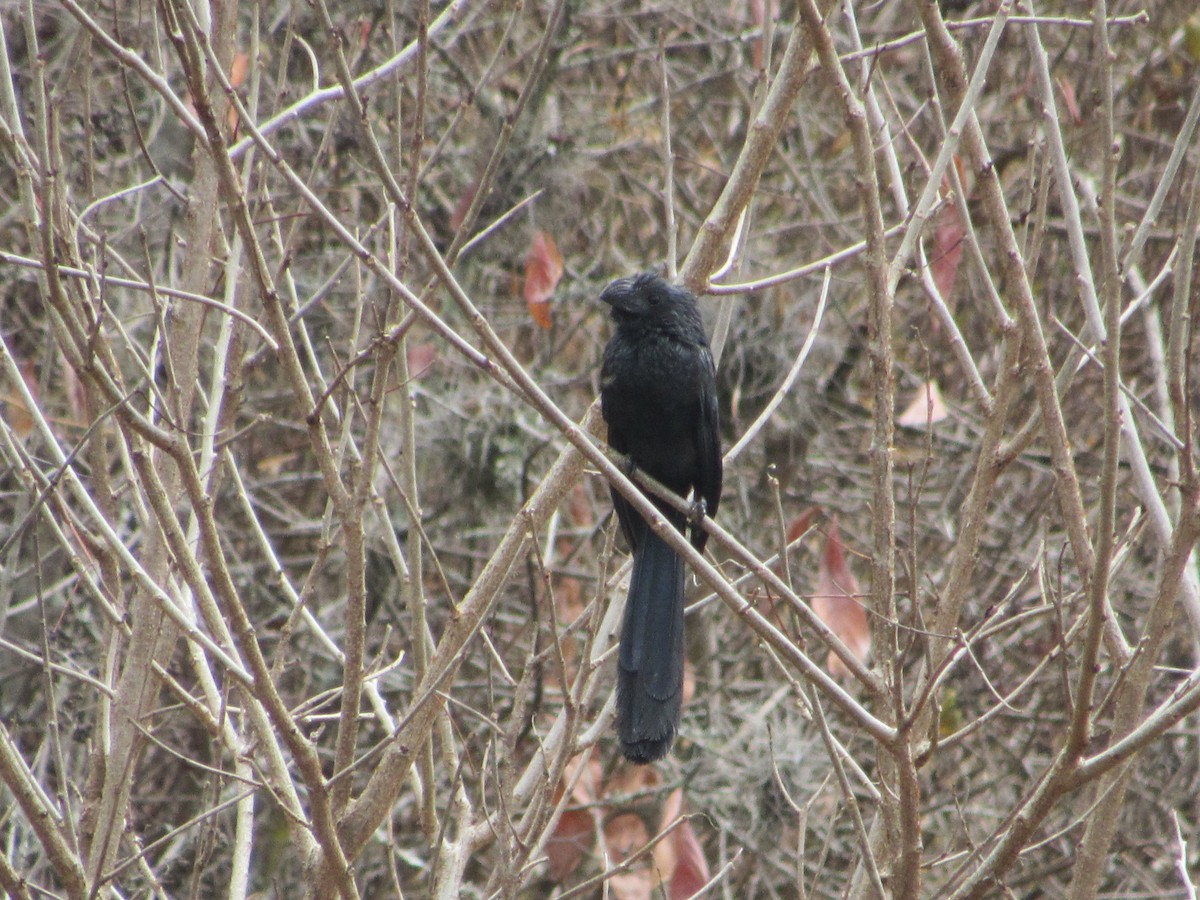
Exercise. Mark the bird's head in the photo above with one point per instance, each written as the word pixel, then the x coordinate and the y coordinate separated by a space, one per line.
pixel 649 299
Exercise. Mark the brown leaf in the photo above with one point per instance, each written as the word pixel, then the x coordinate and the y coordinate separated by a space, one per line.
pixel 76 394
pixel 926 408
pixel 801 524
pixel 624 835
pixel 1069 100
pixel 635 885
pixel 948 239
pixel 20 417
pixel 836 601
pixel 543 269
pixel 420 358
pixel 579 507
pixel 575 832
pixel 459 215
pixel 573 836
pixel 275 463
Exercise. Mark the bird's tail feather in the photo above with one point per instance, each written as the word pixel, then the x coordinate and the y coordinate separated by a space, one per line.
pixel 650 678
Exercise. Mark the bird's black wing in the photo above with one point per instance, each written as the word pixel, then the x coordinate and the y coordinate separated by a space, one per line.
pixel 708 445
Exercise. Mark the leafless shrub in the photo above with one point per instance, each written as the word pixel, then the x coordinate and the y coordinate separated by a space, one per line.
pixel 308 582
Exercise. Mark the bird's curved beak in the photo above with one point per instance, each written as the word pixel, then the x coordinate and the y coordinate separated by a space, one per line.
pixel 619 295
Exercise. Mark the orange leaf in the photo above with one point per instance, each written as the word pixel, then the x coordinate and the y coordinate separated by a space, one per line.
pixel 926 408
pixel 543 269
pixel 239 68
pixel 836 601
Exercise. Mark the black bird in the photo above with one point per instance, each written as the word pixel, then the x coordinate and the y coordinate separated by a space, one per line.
pixel 658 396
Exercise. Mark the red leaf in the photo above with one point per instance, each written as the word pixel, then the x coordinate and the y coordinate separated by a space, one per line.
pixel 837 603
pixel 691 868
pixel 543 269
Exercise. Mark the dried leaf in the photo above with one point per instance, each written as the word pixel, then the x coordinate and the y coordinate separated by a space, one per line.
pixel 459 215
pixel 543 269
pixel 20 418
pixel 837 602
pixel 575 832
pixel 580 510
pixel 275 463
pixel 76 395
pixel 239 68
pixel 801 524
pixel 948 239
pixel 691 868
pixel 571 840
pixel 635 885
pixel 1069 100
pixel 624 835
pixel 926 408
pixel 758 9
pixel 420 358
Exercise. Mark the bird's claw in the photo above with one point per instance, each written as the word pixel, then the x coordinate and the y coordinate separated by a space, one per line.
pixel 698 511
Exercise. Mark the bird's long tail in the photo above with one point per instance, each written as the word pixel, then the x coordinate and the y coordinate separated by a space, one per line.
pixel 650 677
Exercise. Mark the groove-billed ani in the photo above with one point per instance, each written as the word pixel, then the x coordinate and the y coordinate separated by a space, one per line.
pixel 658 396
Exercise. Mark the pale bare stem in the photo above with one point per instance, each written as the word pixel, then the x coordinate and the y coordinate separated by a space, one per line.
pixel 821 265
pixel 705 253
pixel 973 520
pixel 1178 154
pixel 134 284
pixel 949 146
pixel 867 855
pixel 413 585
pixel 1101 826
pixel 668 163
pixel 40 813
pixel 949 67
pixel 1111 288
pixel 391 69
pixel 1180 327
pixel 789 380
pixel 901 846
pixel 1151 496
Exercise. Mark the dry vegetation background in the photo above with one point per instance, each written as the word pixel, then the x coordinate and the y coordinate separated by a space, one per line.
pixel 308 581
